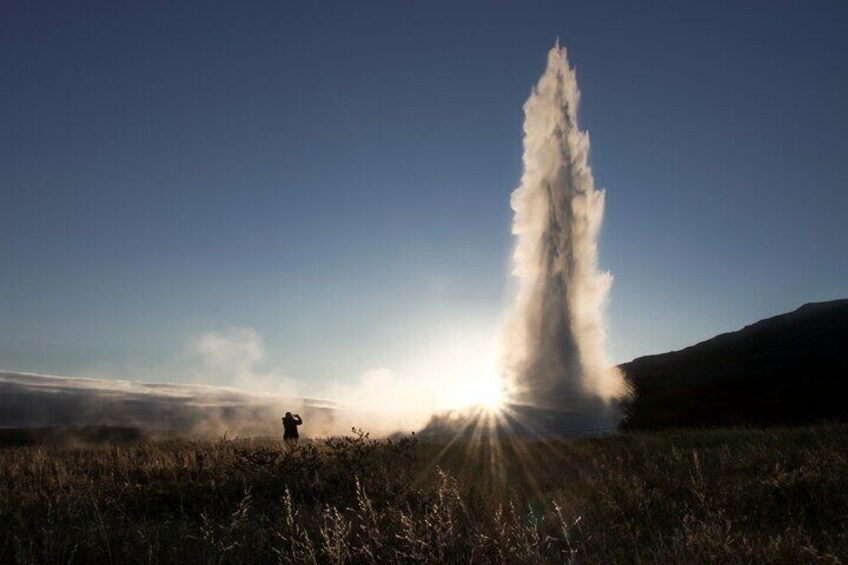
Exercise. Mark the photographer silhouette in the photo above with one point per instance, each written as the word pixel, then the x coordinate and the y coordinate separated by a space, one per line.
pixel 290 424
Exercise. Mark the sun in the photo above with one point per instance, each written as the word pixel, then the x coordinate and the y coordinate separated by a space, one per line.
pixel 491 393
pixel 484 390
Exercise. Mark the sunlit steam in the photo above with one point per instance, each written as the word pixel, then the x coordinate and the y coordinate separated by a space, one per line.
pixel 557 371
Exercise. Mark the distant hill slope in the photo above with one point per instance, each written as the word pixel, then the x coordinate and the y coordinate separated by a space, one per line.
pixel 788 369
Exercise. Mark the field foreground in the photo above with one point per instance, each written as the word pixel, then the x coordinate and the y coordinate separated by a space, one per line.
pixel 723 496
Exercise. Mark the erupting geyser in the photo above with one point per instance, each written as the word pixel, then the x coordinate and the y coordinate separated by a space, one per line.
pixel 556 369
pixel 556 377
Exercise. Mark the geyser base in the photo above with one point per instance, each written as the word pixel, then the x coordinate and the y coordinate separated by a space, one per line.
pixel 523 421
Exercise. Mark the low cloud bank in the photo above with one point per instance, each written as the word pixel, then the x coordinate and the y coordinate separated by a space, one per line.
pixel 35 400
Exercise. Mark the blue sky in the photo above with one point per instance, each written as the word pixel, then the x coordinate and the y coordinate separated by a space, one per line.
pixel 336 176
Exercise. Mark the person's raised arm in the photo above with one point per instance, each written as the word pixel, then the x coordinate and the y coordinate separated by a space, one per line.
pixel 299 419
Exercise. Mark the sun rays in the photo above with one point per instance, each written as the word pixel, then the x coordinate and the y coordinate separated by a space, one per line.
pixel 504 444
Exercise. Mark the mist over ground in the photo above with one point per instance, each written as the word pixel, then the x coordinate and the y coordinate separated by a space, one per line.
pixel 29 400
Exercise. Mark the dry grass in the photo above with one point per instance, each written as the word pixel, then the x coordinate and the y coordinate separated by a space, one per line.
pixel 724 496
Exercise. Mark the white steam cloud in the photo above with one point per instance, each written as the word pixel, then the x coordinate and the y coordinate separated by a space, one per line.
pixel 557 372
pixel 235 357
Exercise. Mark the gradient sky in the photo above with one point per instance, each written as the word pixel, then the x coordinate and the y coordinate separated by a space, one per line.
pixel 336 175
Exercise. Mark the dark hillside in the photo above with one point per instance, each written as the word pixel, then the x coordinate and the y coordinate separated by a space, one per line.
pixel 788 369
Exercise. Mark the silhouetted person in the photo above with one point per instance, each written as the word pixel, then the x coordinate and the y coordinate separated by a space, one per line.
pixel 290 424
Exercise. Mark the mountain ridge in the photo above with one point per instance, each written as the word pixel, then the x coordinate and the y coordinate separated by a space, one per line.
pixel 804 308
pixel 784 369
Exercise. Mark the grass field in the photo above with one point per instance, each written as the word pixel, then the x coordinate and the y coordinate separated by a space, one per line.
pixel 721 496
